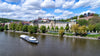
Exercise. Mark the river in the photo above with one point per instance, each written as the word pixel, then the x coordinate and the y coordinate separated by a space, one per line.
pixel 12 45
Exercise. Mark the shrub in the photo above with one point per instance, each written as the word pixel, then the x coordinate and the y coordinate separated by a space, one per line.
pixel 61 32
pixel 43 29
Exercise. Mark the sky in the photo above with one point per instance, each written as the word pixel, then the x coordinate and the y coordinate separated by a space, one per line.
pixel 32 9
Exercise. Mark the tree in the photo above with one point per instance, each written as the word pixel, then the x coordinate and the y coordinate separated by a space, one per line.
pixel 43 29
pixel 52 28
pixel 13 26
pixel 61 28
pixel 95 15
pixel 20 26
pixel 82 22
pixel 82 29
pixel 56 28
pixel 74 28
pixel 30 29
pixel 91 27
pixel 25 28
pixel 94 20
pixel 6 27
pixel 1 28
pixel 48 28
pixel 97 27
pixel 35 28
pixel 61 32
pixel 67 28
pixel 81 16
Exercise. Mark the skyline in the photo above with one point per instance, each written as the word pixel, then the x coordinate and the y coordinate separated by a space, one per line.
pixel 31 9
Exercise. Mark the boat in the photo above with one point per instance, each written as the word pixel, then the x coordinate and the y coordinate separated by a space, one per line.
pixel 29 39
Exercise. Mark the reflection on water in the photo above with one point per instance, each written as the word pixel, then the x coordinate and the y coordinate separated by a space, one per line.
pixel 12 45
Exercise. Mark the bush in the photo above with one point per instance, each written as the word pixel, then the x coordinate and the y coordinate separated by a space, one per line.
pixel 30 29
pixel 35 28
pixel 5 27
pixel 43 29
pixel 61 33
pixel 25 28
pixel 1 28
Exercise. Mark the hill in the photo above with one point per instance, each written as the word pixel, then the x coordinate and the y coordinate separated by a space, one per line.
pixel 4 20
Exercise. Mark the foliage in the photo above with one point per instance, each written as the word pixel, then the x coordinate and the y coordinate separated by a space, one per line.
pixel 61 28
pixel 52 28
pixel 48 28
pixel 97 27
pixel 1 28
pixel 6 27
pixel 75 27
pixel 81 16
pixel 82 22
pixel 67 28
pixel 4 20
pixel 94 20
pixel 20 26
pixel 35 28
pixel 95 15
pixel 75 17
pixel 61 32
pixel 91 27
pixel 30 29
pixel 56 28
pixel 25 28
pixel 43 29
pixel 12 26
pixel 82 29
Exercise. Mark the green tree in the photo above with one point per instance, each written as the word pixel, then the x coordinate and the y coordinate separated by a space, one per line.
pixel 61 28
pixel 82 22
pixel 30 29
pixel 61 32
pixel 48 28
pixel 35 28
pixel 82 29
pixel 74 28
pixel 25 28
pixel 94 20
pixel 13 26
pixel 1 28
pixel 56 28
pixel 52 28
pixel 20 26
pixel 6 27
pixel 91 27
pixel 81 16
pixel 67 28
pixel 97 27
pixel 43 29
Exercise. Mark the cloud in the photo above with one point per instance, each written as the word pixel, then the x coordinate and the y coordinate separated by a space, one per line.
pixel 88 11
pixel 48 4
pixel 59 3
pixel 85 3
pixel 58 11
pixel 68 4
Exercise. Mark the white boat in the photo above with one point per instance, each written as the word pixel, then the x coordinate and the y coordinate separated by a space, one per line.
pixel 29 39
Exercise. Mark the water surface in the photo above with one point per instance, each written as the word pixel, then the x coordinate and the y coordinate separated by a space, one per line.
pixel 12 45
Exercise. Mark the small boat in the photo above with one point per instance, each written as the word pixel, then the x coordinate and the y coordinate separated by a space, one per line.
pixel 29 39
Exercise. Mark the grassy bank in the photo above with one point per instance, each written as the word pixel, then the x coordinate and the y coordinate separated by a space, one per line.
pixel 52 33
pixel 94 36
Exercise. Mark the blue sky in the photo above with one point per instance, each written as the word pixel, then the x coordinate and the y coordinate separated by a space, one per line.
pixel 32 9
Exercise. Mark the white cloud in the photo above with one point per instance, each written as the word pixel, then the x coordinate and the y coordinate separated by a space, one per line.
pixel 88 11
pixel 58 11
pixel 68 4
pixel 59 3
pixel 85 3
pixel 48 4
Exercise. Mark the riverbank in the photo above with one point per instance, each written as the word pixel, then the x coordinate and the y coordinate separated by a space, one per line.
pixel 50 34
